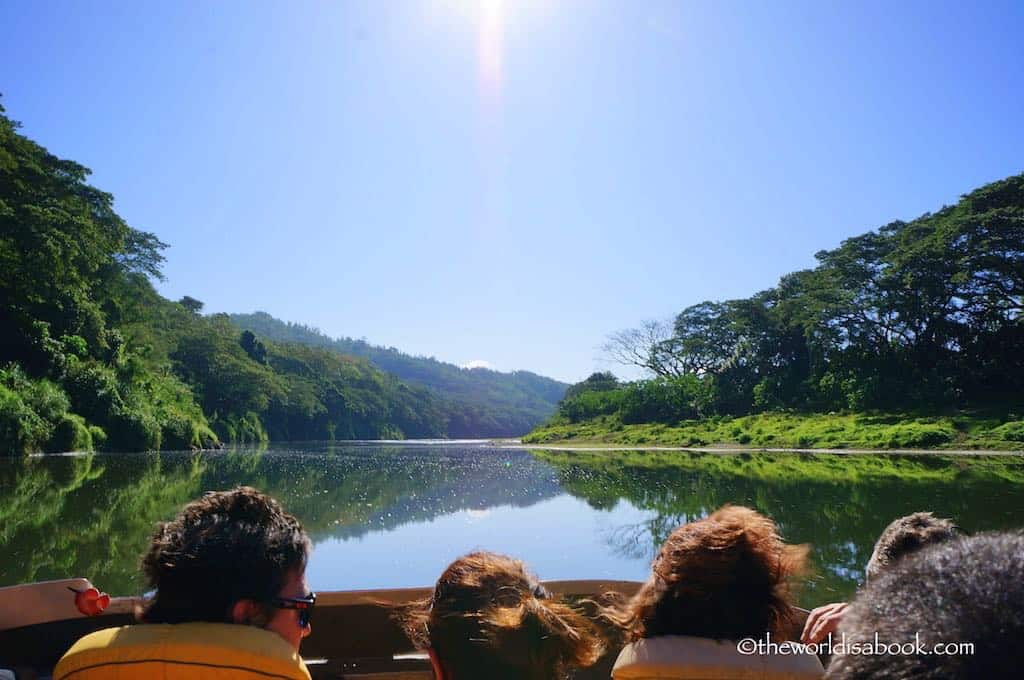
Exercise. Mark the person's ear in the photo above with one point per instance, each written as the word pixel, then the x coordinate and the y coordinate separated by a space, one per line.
pixel 245 612
pixel 435 663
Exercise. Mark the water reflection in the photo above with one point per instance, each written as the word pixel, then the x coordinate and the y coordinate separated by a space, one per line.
pixel 92 515
pixel 395 515
pixel 839 504
pixel 82 515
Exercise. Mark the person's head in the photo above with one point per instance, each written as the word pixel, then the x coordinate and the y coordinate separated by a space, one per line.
pixel 230 557
pixel 725 576
pixel 906 535
pixel 489 618
pixel 969 590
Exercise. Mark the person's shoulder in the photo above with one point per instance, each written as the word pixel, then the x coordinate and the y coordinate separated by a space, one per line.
pixel 211 649
pixel 683 656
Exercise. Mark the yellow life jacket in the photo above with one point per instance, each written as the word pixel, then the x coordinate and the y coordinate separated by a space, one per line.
pixel 204 651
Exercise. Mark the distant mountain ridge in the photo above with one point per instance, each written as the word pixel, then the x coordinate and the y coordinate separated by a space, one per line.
pixel 480 402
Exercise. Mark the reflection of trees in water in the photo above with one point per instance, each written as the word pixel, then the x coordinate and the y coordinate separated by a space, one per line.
pixel 344 491
pixel 838 504
pixel 75 516
pixel 93 515
pixel 640 540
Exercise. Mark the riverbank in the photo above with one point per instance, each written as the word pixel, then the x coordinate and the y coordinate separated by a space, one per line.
pixel 964 432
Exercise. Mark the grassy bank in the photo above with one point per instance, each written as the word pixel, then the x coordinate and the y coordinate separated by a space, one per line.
pixel 804 431
pixel 789 470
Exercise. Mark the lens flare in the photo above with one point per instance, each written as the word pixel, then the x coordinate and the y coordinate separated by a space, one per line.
pixel 490 47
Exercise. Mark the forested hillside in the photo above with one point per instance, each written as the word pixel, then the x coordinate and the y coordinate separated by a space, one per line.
pixel 91 356
pixel 920 317
pixel 480 402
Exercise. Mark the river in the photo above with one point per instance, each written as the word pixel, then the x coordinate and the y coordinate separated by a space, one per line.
pixel 392 515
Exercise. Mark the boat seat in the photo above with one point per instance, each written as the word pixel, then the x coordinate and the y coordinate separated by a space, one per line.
pixel 679 657
pixel 205 651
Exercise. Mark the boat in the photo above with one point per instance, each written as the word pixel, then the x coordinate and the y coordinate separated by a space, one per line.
pixel 354 634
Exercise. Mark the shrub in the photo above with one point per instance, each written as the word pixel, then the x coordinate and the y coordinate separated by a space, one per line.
pixel 597 382
pixel 46 399
pixel 133 430
pixel 587 405
pixel 70 434
pixel 178 432
pixel 99 437
pixel 243 429
pixel 663 401
pixel 29 411
pixel 207 437
pixel 75 345
pixel 914 435
pixel 1012 431
pixel 93 391
pixel 21 428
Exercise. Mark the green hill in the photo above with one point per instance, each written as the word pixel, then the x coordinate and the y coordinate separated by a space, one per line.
pixel 479 402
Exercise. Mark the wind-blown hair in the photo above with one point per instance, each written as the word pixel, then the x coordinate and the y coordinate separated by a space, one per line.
pixel 489 618
pixel 224 547
pixel 725 576
pixel 906 535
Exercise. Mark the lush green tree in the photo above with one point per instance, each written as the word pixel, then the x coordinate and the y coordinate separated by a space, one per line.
pixel 924 314
pixel 191 304
pixel 602 381
pixel 253 347
pixel 60 243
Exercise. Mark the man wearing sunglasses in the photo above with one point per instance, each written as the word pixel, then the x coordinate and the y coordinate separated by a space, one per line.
pixel 230 557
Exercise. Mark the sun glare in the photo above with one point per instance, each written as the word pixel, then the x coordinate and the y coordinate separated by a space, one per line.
pixel 489 48
pixel 489 18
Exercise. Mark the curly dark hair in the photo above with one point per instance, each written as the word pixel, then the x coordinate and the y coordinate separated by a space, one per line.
pixel 906 535
pixel 725 576
pixel 968 590
pixel 224 547
pixel 490 618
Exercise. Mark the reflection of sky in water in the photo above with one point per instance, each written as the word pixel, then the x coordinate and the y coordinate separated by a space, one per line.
pixel 389 515
pixel 559 538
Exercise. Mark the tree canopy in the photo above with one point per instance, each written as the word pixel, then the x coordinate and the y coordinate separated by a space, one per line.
pixel 914 315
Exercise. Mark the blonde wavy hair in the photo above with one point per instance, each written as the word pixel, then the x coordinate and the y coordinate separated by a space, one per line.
pixel 490 618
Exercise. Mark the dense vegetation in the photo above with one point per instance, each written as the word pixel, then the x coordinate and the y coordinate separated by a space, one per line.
pixel 478 402
pixel 69 377
pixel 919 318
pixel 91 356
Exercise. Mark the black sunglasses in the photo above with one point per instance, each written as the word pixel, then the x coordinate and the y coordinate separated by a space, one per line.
pixel 304 605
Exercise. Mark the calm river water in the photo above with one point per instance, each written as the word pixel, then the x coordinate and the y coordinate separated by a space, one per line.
pixel 389 515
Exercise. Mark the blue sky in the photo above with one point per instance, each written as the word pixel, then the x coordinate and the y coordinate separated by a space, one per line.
pixel 512 181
